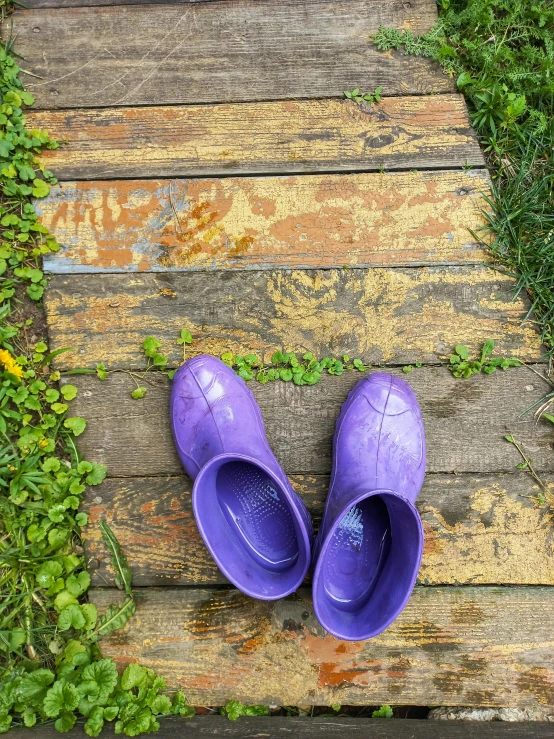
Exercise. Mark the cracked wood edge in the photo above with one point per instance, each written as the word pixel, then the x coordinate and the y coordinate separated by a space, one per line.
pixel 465 421
pixel 275 727
pixel 260 138
pixel 264 223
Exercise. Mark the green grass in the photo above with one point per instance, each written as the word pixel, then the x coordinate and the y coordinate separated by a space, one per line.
pixel 501 55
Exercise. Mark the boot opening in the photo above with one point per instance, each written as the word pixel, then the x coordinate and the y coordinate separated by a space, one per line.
pixel 248 520
pixel 367 566
pixel 356 554
pixel 259 514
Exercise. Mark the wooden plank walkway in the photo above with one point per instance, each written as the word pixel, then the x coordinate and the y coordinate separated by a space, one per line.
pixel 213 179
pixel 330 728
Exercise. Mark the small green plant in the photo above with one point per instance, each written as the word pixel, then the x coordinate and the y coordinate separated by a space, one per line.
pixel 383 712
pixel 462 366
pixel 526 464
pixel 288 367
pixel 364 97
pixel 284 366
pixel 234 710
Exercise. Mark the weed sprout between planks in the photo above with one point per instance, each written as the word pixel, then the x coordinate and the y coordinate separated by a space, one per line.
pixel 51 667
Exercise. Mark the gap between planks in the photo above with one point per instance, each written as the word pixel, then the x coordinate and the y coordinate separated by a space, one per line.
pixel 289 137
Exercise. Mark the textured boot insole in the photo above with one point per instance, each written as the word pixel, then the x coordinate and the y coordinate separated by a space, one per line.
pixel 356 554
pixel 259 514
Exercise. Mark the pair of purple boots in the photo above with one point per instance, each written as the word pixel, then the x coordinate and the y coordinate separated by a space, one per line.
pixel 368 550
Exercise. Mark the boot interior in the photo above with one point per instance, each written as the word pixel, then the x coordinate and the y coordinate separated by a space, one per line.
pixel 260 515
pixel 367 566
pixel 248 523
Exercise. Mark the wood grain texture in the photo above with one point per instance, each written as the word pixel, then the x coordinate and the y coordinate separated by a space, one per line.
pixel 260 223
pixel 450 646
pixel 384 315
pixel 257 138
pixel 275 727
pixel 479 530
pixel 220 52
pixel 465 422
pixel 91 3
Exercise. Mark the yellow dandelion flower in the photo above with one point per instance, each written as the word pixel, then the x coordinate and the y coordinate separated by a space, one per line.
pixel 10 364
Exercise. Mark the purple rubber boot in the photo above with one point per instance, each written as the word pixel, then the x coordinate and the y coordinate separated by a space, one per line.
pixel 370 543
pixel 257 529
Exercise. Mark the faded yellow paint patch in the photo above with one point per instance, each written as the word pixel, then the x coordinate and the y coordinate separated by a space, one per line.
pixel 500 539
pixel 401 131
pixel 319 221
pixel 382 315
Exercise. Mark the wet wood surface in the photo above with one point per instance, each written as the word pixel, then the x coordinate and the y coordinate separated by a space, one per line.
pixel 479 530
pixel 260 138
pixel 383 315
pixel 450 646
pixel 232 51
pixel 465 421
pixel 406 218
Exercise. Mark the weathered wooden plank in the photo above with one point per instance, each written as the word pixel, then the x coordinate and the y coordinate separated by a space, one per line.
pixel 465 422
pixel 90 3
pixel 227 52
pixel 275 727
pixel 321 221
pixel 390 315
pixel 450 646
pixel 256 138
pixel 479 530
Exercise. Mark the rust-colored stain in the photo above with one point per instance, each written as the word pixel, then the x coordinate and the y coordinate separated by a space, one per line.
pixel 331 220
pixel 216 643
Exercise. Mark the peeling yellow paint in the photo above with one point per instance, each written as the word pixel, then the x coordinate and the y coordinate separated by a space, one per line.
pixel 508 540
pixel 330 220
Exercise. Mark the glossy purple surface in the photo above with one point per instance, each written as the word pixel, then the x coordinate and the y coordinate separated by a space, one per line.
pixel 370 543
pixel 256 528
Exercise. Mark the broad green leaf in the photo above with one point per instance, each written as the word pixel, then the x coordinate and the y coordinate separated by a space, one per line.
pixel 78 584
pixel 104 674
pixel 62 696
pixel 71 617
pixel 462 351
pixel 75 424
pixel 69 392
pixel 48 572
pixel 96 474
pixel 90 613
pixel 133 677
pixel 95 722
pixel 66 722
pixel 150 345
pixel 180 705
